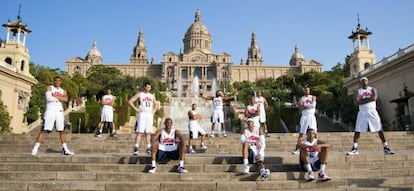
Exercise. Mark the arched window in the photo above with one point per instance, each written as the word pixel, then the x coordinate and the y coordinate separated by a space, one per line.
pixel 366 65
pixel 8 60
pixel 22 66
pixel 184 74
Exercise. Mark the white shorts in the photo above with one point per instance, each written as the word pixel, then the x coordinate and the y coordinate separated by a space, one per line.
pixel 51 117
pixel 195 129
pixel 307 121
pixel 256 151
pixel 368 119
pixel 145 123
pixel 107 115
pixel 217 116
pixel 262 117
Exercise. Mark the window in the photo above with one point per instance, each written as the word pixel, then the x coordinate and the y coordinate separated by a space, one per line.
pixel 366 65
pixel 8 60
pixel 22 66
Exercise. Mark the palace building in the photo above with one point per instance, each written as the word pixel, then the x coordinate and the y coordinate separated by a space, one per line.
pixel 197 60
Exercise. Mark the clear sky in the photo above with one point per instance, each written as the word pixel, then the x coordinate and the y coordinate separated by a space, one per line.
pixel 63 29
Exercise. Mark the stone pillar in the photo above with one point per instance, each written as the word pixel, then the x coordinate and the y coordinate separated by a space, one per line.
pixel 411 110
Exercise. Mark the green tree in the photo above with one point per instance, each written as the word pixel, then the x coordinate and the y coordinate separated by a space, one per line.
pixel 4 118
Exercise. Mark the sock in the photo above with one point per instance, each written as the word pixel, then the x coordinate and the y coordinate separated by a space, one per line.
pixel 136 145
pixel 148 145
pixel 181 163
pixel 245 161
pixel 322 170
pixel 355 145
pixel 36 146
pixel 385 144
pixel 309 168
pixel 153 163
pixel 100 130
pixel 202 144
pixel 65 146
pixel 191 147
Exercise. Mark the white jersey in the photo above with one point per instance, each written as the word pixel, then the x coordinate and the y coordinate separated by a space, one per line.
pixel 146 101
pixel 312 153
pixel 366 93
pixel 260 101
pixel 308 101
pixel 253 109
pixel 251 136
pixel 167 141
pixel 54 104
pixel 108 99
pixel 217 103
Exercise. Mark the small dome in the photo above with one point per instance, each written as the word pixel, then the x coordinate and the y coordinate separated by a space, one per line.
pixel 297 58
pixel 94 55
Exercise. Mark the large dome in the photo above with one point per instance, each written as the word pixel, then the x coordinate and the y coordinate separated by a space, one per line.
pixel 94 55
pixel 197 36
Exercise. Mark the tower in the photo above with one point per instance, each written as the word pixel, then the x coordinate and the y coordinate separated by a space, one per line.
pixel 13 51
pixel 197 37
pixel 254 55
pixel 297 58
pixel 363 56
pixel 139 54
pixel 94 56
pixel 15 79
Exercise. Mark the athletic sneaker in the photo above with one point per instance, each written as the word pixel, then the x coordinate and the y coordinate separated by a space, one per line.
pixel 224 134
pixel 295 152
pixel 181 169
pixel 246 169
pixel 148 150
pixel 267 135
pixel 354 151
pixel 135 151
pixel 388 151
pixel 152 170
pixel 34 152
pixel 264 174
pixel 323 177
pixel 98 134
pixel 212 135
pixel 311 176
pixel 67 152
pixel 203 147
pixel 113 135
pixel 191 151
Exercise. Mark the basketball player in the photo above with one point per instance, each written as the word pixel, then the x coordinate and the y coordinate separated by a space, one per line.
pixel 314 156
pixel 195 129
pixel 307 105
pixel 165 147
pixel 253 111
pixel 254 144
pixel 107 114
pixel 145 116
pixel 217 115
pixel 54 115
pixel 262 103
pixel 367 117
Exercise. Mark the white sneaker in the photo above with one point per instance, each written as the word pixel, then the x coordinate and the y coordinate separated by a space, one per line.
pixel 212 135
pixel 152 170
pixel 135 151
pixel 354 151
pixel 67 152
pixel 203 147
pixel 246 169
pixel 224 134
pixel 311 176
pixel 296 152
pixel 264 174
pixel 181 169
pixel 34 152
pixel 149 150
pixel 191 151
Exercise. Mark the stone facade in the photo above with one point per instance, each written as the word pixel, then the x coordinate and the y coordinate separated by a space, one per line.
pixel 389 76
pixel 197 60
pixel 15 78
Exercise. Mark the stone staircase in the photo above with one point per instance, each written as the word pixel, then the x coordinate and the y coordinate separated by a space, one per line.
pixel 107 164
